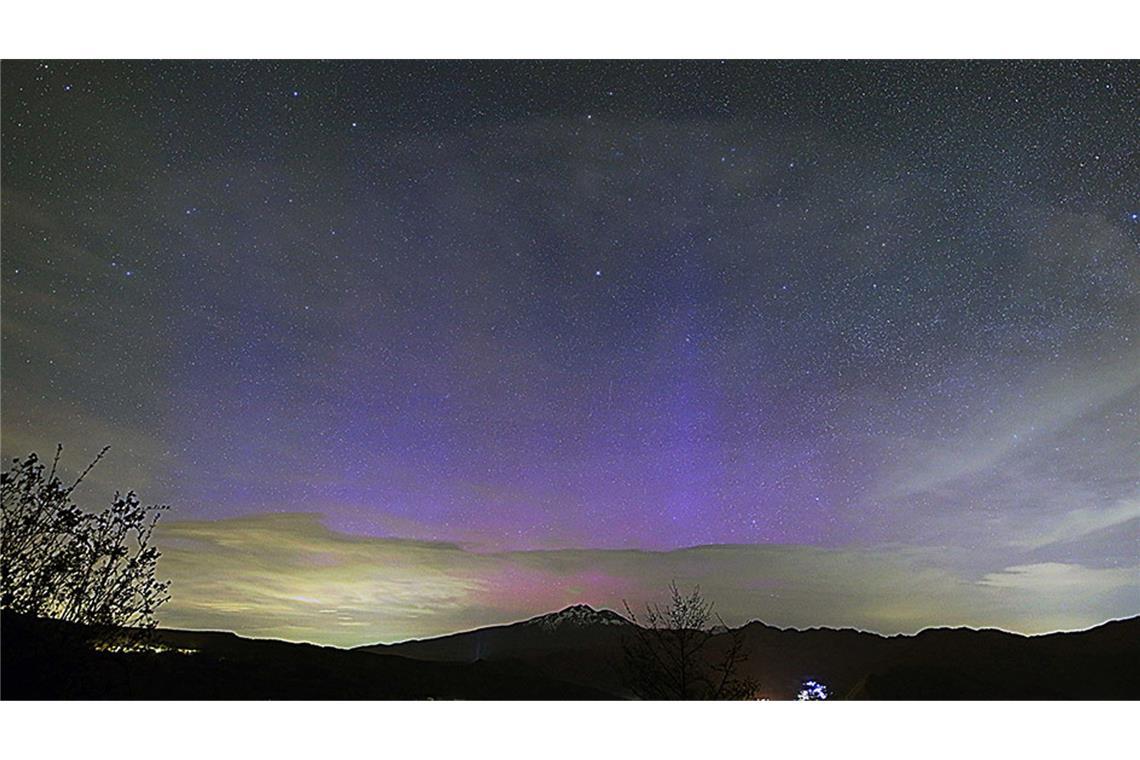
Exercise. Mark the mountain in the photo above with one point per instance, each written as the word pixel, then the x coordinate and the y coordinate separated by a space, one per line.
pixel 949 663
pixel 47 659
pixel 571 654
pixel 578 627
pixel 576 616
pixel 582 646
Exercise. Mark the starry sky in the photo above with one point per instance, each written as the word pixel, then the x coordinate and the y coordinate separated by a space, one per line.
pixel 415 346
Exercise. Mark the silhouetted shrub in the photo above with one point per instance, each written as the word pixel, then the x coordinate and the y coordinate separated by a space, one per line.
pixel 59 561
pixel 672 654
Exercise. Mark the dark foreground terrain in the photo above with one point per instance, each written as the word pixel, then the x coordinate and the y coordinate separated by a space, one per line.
pixel 573 654
pixel 938 663
pixel 38 661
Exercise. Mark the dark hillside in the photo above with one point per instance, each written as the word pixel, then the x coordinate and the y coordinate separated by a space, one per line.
pixel 573 654
pixel 37 663
pixel 960 663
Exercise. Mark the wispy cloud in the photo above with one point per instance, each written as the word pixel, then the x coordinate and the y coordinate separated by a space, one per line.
pixel 1086 521
pixel 1061 595
pixel 289 576
pixel 1039 413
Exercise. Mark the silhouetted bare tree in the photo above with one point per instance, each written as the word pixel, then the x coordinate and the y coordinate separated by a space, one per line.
pixel 675 653
pixel 58 561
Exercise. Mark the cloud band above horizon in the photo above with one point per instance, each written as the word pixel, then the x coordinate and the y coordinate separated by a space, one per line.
pixel 289 576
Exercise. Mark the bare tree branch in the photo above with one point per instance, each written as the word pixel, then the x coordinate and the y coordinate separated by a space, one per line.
pixel 58 561
pixel 668 656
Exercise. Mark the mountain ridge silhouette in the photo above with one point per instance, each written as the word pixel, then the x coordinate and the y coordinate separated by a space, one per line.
pixel 574 653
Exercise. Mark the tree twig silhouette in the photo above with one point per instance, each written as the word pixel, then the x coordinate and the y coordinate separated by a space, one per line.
pixel 97 570
pixel 670 655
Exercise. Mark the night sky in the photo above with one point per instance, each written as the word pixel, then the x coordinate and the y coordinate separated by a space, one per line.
pixel 411 347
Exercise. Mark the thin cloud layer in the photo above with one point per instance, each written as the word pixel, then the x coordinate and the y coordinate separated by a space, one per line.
pixel 289 576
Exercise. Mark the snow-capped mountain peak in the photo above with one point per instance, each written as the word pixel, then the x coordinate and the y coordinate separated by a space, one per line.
pixel 577 615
